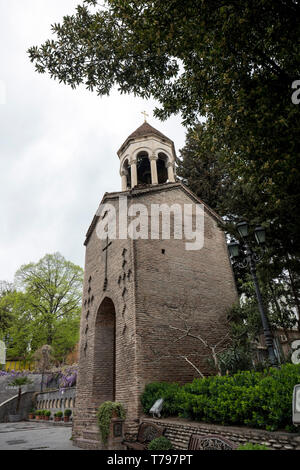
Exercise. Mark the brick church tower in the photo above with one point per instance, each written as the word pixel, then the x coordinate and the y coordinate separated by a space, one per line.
pixel 144 296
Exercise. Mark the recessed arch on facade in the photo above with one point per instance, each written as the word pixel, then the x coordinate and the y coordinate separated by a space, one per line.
pixel 104 373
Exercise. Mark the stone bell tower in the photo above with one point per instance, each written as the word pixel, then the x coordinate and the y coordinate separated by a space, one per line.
pixel 146 157
pixel 143 294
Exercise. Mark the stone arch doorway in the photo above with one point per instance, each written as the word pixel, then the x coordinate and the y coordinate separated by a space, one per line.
pixel 104 380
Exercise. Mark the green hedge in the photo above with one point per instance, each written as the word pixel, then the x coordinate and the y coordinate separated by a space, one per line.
pixel 250 446
pixel 256 399
pixel 160 443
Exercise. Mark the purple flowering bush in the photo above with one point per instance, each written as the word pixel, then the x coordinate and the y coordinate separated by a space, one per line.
pixel 61 377
pixel 68 378
pixel 64 377
pixel 14 374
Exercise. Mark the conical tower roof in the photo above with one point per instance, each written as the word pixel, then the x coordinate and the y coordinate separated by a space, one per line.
pixel 144 130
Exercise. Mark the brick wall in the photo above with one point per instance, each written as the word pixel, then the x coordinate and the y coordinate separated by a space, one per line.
pixel 195 285
pixel 116 299
pixel 9 406
pixel 179 432
pixel 147 290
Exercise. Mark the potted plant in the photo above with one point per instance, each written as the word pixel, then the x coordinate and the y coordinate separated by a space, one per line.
pixel 31 414
pixel 18 382
pixel 67 414
pixel 47 415
pixel 105 413
pixel 37 415
pixel 58 415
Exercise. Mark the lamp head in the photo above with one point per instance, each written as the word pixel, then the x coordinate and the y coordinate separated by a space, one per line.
pixel 243 229
pixel 234 248
pixel 260 235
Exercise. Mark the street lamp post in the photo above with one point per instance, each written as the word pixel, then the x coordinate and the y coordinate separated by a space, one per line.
pixel 249 258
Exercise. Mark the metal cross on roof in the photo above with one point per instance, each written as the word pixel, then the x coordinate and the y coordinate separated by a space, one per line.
pixel 145 115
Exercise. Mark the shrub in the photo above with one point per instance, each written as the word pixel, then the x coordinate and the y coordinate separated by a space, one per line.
pixel 58 414
pixel 168 391
pixel 250 446
pixel 256 399
pixel 160 443
pixel 104 415
pixel 67 412
pixel 235 359
pixel 47 413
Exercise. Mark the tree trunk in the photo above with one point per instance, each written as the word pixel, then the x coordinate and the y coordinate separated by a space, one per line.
pixel 19 400
pixel 294 291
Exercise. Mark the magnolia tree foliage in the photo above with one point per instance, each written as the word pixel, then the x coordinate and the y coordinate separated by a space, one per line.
pixel 229 69
pixel 232 64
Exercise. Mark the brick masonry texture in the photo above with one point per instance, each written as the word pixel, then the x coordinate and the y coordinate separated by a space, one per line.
pixel 125 335
pixel 179 432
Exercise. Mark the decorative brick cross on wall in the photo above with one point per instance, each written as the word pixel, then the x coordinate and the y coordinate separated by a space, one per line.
pixel 105 249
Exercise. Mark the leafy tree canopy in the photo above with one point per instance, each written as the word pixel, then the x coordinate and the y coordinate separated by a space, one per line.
pixel 44 307
pixel 228 68
pixel 6 292
pixel 192 56
pixel 232 63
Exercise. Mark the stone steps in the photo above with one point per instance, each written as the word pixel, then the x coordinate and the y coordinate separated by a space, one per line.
pixel 88 444
pixel 91 435
pixel 7 392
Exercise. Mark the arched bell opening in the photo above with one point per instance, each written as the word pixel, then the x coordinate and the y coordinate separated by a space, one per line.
pixel 162 171
pixel 143 168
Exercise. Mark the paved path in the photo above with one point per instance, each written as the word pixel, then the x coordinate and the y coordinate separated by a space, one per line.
pixel 35 436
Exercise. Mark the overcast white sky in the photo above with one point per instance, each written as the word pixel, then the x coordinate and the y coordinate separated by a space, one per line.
pixel 57 145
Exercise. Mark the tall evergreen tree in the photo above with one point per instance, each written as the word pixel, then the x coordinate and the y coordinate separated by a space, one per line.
pixel 201 168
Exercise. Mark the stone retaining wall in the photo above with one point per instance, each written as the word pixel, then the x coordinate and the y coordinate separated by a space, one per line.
pixel 6 391
pixel 178 431
pixel 9 406
pixel 56 400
